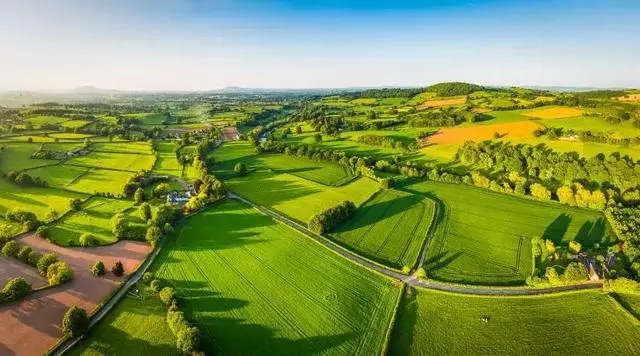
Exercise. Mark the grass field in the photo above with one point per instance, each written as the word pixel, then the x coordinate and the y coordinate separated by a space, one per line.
pixel 630 302
pixel 136 326
pixel 95 218
pixel 344 144
pixel 123 147
pixel 362 101
pixel 39 120
pixel 390 228
pixel 37 200
pixel 484 237
pixel 554 112
pixel 595 125
pixel 149 118
pixel 121 161
pixel 73 124
pixel 17 156
pixel 58 175
pixel 166 163
pixel 69 136
pixel 577 323
pixel 297 197
pixel 100 181
pixel 255 286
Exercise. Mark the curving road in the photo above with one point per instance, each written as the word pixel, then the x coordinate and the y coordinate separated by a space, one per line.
pixel 412 280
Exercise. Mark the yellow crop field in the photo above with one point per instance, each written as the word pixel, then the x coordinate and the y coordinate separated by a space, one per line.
pixel 444 102
pixel 510 130
pixel 554 113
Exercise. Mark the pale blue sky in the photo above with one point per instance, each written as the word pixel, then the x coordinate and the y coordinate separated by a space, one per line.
pixel 197 44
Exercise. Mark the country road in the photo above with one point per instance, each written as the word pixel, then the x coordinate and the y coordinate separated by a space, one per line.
pixel 412 280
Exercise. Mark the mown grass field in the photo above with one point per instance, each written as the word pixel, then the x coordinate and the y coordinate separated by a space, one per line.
pixel 631 302
pixel 297 197
pixel 255 286
pixel 390 228
pixel 123 147
pixel 39 120
pixel 120 161
pixel 577 323
pixel 73 124
pixel 166 163
pixel 58 175
pixel 37 200
pixel 136 326
pixel 17 156
pixel 100 181
pixel 94 218
pixel 484 237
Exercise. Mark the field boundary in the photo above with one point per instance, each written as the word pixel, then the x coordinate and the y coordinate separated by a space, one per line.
pixel 387 337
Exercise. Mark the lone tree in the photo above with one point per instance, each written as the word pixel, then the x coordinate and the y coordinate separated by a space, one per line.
pixel 75 322
pixel 98 269
pixel 145 211
pixel 118 269
pixel 75 204
pixel 240 169
pixel 138 196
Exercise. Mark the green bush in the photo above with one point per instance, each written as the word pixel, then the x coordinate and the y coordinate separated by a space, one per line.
pixel 240 169
pixel 167 295
pixel 147 277
pixel 24 253
pixel 88 240
pixel 11 249
pixel 145 211
pixel 332 217
pixel 33 258
pixel 153 235
pixel 75 322
pixel 98 269
pixel 156 285
pixel 45 261
pixel 58 273
pixel 42 232
pixel 118 269
pixel 15 289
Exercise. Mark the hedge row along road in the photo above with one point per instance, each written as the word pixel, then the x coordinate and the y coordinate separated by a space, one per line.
pixel 412 280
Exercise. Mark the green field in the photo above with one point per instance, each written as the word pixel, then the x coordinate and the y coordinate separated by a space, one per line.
pixel 58 175
pixel 136 326
pixel 630 302
pixel 390 228
pixel 100 181
pixel 344 144
pixel 297 197
pixel 123 147
pixel 595 125
pixel 120 161
pixel 95 218
pixel 255 286
pixel 37 200
pixel 149 118
pixel 577 323
pixel 166 163
pixel 39 120
pixel 484 237
pixel 72 124
pixel 17 156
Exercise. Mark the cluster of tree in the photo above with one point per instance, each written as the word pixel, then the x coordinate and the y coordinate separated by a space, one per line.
pixel 49 266
pixel 453 88
pixel 386 141
pixel 384 93
pixel 122 229
pixel 25 180
pixel 328 219
pixel 15 289
pixel 625 221
pixel 554 133
pixel 209 189
pixel 75 322
pixel 445 117
pixel 577 195
pixel 28 219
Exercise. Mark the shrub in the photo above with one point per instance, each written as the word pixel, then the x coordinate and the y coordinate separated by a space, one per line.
pixel 24 253
pixel 153 235
pixel 147 277
pixel 161 189
pixel 88 240
pixel 386 183
pixel 42 232
pixel 168 229
pixel 421 273
pixel 119 225
pixel 332 217
pixel 98 269
pixel 15 289
pixel 240 169
pixel 156 285
pixel 45 261
pixel 20 215
pixel 33 258
pixel 118 269
pixel 188 340
pixel 167 295
pixel 11 249
pixel 575 246
pixel 58 273
pixel 622 285
pixel 75 322
pixel 138 196
pixel 75 204
pixel 145 211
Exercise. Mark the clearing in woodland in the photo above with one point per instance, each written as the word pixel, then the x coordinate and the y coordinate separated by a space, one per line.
pixel 252 278
pixel 439 323
pixel 390 228
pixel 484 237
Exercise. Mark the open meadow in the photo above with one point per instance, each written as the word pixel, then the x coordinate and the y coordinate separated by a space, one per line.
pixel 119 161
pixel 390 228
pixel 251 278
pixel 484 237
pixel 167 163
pixel 439 323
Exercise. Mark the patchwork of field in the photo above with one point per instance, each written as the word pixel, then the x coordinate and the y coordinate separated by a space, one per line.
pixel 554 112
pixel 118 161
pixel 252 278
pixel 83 179
pixel 512 130
pixel 167 163
pixel 297 197
pixel 94 218
pixel 453 101
pixel 390 228
pixel 484 237
pixel 136 326
pixel 438 323
pixel 37 200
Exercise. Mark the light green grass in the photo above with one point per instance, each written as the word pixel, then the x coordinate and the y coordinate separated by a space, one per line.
pixel 95 218
pixel 37 200
pixel 149 118
pixel 484 237
pixel 69 136
pixel 362 101
pixel 297 197
pixel 17 156
pixel 390 228
pixel 166 163
pixel 631 302
pixel 72 124
pixel 44 119
pixel 421 98
pixel 100 181
pixel 255 286
pixel 136 326
pixel 58 176
pixel 346 145
pixel 577 323
pixel 595 125
pixel 141 147
pixel 391 101
pixel 112 160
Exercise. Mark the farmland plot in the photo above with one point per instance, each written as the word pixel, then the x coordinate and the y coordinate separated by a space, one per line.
pixel 484 237
pixel 251 278
pixel 167 163
pixel 100 181
pixel 438 323
pixel 17 156
pixel 37 200
pixel 123 147
pixel 111 160
pixel 58 176
pixel 390 228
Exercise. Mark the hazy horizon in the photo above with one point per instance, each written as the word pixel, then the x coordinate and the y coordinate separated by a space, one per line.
pixel 171 45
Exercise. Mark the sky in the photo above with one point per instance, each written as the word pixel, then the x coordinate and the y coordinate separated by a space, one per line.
pixel 201 45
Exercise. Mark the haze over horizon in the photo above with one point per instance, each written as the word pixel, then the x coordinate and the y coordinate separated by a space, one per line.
pixel 203 45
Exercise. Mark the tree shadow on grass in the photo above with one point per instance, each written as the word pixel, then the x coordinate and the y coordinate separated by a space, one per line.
pixel 402 333
pixel 109 340
pixel 373 213
pixel 556 230
pixel 441 260
pixel 591 232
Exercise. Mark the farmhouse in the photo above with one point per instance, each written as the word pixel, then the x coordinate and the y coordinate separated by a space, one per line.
pixel 177 198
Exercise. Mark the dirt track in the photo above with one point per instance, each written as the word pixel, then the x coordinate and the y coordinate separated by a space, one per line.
pixel 32 325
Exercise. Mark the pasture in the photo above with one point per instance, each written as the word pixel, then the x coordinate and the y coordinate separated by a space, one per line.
pixel 74 124
pixel 166 162
pixel 149 118
pixel 136 326
pixel 363 101
pixel 17 156
pixel 39 120
pixel 69 136
pixel 123 147
pixel 252 278
pixel 596 125
pixel 389 228
pixel 346 145
pixel 297 197
pixel 58 175
pixel 37 200
pixel 100 181
pixel 554 112
pixel 94 218
pixel 484 237
pixel 111 160
pixel 439 323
